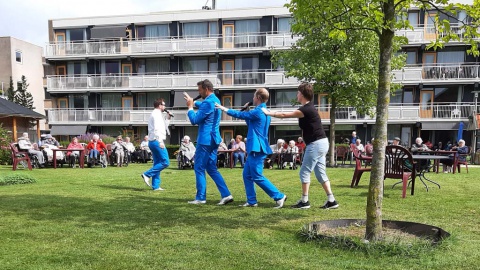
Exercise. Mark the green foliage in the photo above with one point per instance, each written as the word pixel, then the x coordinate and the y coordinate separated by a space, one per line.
pixel 22 96
pixel 15 179
pixel 11 91
pixel 5 139
pixel 171 149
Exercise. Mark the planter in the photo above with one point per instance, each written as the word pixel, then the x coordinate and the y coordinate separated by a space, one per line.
pixel 434 233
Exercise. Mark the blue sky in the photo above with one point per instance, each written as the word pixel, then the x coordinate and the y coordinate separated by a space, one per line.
pixel 28 19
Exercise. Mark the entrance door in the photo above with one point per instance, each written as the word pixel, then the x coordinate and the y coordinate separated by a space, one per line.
pixel 430 30
pixel 228 36
pixel 227 135
pixel 227 102
pixel 430 71
pixel 323 108
pixel 228 67
pixel 426 103
pixel 127 106
pixel 406 135
pixel 126 71
pixel 60 39
pixel 62 105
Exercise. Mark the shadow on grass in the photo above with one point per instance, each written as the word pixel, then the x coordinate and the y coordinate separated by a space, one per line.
pixel 134 211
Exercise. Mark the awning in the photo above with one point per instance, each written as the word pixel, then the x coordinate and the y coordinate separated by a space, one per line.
pixel 68 130
pixel 103 32
pixel 441 126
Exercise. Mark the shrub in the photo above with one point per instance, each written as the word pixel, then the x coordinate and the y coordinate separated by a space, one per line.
pixel 5 139
pixel 171 150
pixel 15 179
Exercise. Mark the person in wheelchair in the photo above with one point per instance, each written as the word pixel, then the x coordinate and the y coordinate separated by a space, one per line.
pixel 73 155
pixel 96 148
pixel 130 150
pixel 24 144
pixel 186 152
pixel 119 149
pixel 51 143
pixel 290 156
pixel 144 154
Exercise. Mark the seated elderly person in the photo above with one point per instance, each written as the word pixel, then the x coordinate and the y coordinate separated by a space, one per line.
pixel 130 148
pixel 96 147
pixel 359 145
pixel 300 144
pixel 119 148
pixel 277 149
pixel 72 155
pixel 188 150
pixel 290 154
pixel 221 156
pixel 461 149
pixel 25 144
pixel 239 151
pixel 419 146
pixel 51 143
pixel 144 152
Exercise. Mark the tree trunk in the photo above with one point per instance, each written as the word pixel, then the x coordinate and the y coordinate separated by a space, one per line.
pixel 332 132
pixel 375 188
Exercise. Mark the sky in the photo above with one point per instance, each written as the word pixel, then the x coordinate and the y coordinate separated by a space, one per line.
pixel 28 19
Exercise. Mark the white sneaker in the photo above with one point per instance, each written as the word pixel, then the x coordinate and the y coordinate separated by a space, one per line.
pixel 146 179
pixel 248 205
pixel 159 189
pixel 280 202
pixel 226 200
pixel 197 202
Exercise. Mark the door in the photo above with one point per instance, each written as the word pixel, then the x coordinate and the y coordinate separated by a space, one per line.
pixel 227 135
pixel 426 103
pixel 127 106
pixel 228 67
pixel 61 80
pixel 126 71
pixel 430 29
pixel 227 102
pixel 406 136
pixel 228 35
pixel 323 108
pixel 62 105
pixel 430 70
pixel 60 40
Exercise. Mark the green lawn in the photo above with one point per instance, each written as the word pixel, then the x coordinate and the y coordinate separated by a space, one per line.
pixel 108 219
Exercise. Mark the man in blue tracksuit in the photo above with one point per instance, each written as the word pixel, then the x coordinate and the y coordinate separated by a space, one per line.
pixel 257 148
pixel 208 120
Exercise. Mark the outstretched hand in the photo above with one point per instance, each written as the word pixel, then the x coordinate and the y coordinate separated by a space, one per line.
pixel 218 106
pixel 266 111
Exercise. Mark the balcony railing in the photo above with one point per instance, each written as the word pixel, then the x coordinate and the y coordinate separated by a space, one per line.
pixel 236 42
pixel 119 116
pixel 437 72
pixel 168 81
pixel 425 34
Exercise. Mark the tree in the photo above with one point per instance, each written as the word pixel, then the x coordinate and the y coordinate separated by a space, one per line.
pixel 383 17
pixel 22 96
pixel 11 91
pixel 345 68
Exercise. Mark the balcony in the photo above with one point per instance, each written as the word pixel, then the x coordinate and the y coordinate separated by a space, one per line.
pixel 437 74
pixel 425 34
pixel 166 47
pixel 226 80
pixel 139 116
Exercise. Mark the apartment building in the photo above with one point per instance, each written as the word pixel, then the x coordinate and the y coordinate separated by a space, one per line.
pixel 108 71
pixel 17 58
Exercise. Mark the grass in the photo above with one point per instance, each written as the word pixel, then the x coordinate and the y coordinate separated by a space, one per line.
pixel 108 219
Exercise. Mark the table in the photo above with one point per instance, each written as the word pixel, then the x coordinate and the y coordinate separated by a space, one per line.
pixel 81 159
pixel 423 170
pixel 229 155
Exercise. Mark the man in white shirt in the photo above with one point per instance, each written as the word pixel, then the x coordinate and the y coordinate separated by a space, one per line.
pixel 157 134
pixel 25 144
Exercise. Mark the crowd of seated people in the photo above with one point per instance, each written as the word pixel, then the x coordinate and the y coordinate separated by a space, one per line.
pixel 290 155
pixel 277 150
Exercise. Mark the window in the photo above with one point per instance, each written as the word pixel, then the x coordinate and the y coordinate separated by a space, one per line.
pixel 75 35
pixel 242 97
pixel 411 58
pixel 157 65
pixel 76 68
pixel 246 63
pixel 156 31
pixel 78 101
pixel 284 25
pixel 451 57
pixel 246 32
pixel 285 98
pixel 111 101
pixel 18 56
pixel 195 64
pixel 396 98
pixel 200 29
pixel 413 19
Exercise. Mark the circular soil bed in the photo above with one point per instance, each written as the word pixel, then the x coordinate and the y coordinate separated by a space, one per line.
pixel 391 228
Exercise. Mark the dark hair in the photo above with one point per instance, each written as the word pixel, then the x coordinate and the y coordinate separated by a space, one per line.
pixel 158 102
pixel 307 90
pixel 205 84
